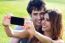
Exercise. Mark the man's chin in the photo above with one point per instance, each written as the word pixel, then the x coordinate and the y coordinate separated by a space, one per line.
pixel 38 24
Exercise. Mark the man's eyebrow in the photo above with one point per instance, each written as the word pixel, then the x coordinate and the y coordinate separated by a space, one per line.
pixel 35 13
pixel 43 12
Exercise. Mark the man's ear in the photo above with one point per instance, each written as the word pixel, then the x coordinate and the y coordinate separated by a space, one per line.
pixel 30 16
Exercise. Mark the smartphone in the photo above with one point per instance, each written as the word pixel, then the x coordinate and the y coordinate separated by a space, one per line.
pixel 17 21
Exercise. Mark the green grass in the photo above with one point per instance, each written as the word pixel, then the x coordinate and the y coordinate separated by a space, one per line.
pixel 18 8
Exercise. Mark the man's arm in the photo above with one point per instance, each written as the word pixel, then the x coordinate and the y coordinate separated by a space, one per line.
pixel 16 40
pixel 21 34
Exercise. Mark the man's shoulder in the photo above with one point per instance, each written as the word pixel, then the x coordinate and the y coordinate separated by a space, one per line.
pixel 17 27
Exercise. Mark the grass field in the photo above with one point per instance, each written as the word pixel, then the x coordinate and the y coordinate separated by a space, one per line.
pixel 18 8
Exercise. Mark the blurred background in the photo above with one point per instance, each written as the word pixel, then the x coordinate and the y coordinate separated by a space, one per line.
pixel 18 8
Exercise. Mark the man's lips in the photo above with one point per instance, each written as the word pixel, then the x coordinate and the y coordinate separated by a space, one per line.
pixel 39 21
pixel 44 26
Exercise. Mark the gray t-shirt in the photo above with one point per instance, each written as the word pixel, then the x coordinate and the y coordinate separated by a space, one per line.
pixel 25 40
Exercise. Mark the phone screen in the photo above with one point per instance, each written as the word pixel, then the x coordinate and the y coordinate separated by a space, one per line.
pixel 17 21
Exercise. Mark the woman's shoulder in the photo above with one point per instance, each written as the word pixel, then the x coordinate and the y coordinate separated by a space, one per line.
pixel 59 41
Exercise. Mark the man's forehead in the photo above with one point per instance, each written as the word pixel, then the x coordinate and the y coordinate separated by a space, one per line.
pixel 38 11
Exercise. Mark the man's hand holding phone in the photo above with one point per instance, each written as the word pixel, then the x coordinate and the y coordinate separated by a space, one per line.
pixel 26 23
pixel 6 20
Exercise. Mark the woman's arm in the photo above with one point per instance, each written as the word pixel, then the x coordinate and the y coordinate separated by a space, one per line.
pixel 42 38
pixel 59 41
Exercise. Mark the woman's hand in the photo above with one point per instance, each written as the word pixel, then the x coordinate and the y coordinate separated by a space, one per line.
pixel 29 27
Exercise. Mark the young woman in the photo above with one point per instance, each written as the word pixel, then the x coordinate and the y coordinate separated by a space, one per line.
pixel 51 29
pixel 50 33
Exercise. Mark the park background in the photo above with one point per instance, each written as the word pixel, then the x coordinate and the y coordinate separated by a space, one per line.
pixel 18 8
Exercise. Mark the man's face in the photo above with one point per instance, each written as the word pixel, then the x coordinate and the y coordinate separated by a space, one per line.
pixel 36 16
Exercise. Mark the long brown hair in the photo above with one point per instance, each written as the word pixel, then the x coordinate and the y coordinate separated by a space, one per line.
pixel 56 24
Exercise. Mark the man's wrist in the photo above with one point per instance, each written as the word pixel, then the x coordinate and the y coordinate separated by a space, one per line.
pixel 6 25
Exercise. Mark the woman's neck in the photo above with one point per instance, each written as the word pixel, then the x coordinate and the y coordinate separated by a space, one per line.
pixel 47 33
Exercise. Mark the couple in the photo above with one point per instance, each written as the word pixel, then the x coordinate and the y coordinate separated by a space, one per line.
pixel 47 25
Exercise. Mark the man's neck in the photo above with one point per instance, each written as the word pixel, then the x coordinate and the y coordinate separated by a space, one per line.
pixel 37 27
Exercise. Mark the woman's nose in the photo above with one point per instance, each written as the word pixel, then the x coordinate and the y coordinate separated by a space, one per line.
pixel 43 21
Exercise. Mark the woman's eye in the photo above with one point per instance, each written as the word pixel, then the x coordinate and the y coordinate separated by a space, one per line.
pixel 48 20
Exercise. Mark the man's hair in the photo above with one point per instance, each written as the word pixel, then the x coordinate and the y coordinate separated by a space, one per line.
pixel 35 4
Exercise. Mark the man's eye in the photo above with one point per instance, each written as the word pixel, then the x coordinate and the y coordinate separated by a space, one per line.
pixel 35 13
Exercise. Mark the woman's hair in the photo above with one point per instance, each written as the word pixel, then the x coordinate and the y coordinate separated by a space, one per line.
pixel 56 24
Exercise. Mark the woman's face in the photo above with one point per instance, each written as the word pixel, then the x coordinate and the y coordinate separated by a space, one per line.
pixel 46 25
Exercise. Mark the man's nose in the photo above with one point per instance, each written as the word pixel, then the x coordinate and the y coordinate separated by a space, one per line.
pixel 43 21
pixel 39 17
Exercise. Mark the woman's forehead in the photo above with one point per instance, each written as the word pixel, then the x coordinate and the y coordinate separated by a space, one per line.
pixel 46 15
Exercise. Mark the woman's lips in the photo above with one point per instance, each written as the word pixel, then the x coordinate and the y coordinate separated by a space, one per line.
pixel 44 26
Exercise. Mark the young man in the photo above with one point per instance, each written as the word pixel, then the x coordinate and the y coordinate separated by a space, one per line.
pixel 36 9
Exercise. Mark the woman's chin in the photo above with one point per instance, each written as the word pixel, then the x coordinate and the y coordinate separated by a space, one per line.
pixel 43 29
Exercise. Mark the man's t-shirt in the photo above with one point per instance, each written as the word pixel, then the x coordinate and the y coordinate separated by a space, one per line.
pixel 19 28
